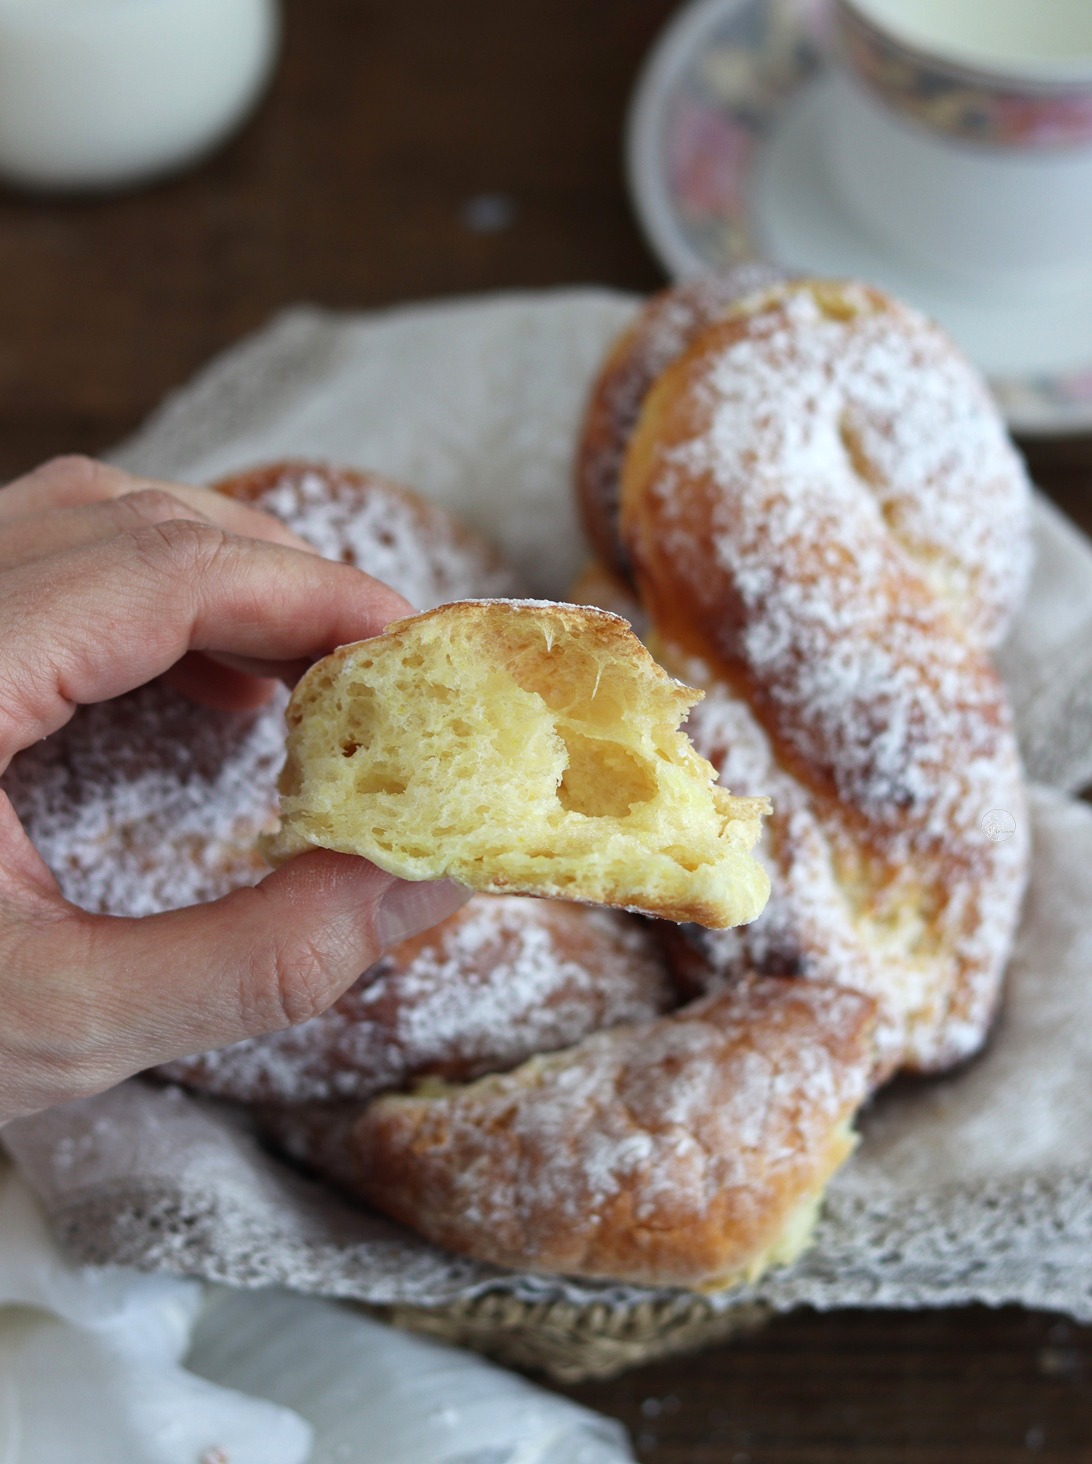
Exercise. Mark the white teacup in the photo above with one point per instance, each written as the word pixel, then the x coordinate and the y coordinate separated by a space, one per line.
pixel 961 134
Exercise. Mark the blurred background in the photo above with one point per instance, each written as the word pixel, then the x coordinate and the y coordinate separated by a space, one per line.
pixel 419 149
pixel 403 151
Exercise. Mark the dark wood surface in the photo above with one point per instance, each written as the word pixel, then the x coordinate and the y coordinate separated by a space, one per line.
pixel 354 186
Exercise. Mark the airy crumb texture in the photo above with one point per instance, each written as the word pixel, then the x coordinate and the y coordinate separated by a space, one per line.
pixel 520 747
pixel 692 1150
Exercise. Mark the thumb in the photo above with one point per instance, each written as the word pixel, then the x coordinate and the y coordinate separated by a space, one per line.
pixel 113 996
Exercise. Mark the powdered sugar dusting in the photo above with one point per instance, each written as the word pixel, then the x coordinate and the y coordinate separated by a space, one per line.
pixel 834 463
pixel 826 406
pixel 933 963
pixel 393 535
pixel 704 1128
pixel 504 978
pixel 149 803
pixel 665 327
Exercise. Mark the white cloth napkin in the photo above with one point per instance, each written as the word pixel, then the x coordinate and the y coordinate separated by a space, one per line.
pixel 91 1364
pixel 109 1365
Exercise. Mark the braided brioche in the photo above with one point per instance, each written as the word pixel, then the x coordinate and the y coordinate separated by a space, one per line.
pixel 813 499
pixel 827 525
pixel 914 420
pixel 521 747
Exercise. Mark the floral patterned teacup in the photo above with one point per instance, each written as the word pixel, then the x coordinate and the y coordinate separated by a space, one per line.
pixel 961 133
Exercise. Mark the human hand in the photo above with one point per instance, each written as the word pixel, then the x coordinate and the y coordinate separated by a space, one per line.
pixel 106 582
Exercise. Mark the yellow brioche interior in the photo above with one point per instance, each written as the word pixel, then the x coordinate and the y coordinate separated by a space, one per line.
pixel 518 746
pixel 793 1236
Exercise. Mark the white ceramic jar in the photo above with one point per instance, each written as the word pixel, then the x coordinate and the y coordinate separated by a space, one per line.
pixel 100 94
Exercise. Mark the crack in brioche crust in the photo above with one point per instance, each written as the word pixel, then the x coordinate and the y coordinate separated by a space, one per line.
pixel 827 525
pixel 518 746
pixel 691 1150
pixel 498 981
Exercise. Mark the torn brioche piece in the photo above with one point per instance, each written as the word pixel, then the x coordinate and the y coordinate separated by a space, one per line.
pixel 518 747
pixel 691 1150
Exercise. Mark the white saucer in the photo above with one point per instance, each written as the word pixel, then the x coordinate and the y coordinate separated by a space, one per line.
pixel 726 161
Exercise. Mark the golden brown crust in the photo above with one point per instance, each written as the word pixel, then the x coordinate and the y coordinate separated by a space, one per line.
pixel 687 1151
pixel 840 676
pixel 500 980
pixel 517 747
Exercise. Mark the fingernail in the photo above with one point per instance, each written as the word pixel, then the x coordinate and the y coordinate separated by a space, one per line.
pixel 408 908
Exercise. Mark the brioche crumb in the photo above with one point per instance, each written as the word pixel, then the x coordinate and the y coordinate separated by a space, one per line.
pixel 521 747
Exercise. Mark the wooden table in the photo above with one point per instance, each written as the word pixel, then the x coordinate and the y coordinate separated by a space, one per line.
pixel 360 183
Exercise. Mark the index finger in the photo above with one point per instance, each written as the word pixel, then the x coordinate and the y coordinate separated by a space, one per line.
pixel 102 619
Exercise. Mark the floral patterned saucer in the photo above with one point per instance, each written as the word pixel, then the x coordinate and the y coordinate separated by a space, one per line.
pixel 726 162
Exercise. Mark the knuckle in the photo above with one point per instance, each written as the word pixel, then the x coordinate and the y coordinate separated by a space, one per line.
pixel 189 548
pixel 78 479
pixel 299 980
pixel 148 506
pixel 74 469
pixel 291 973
